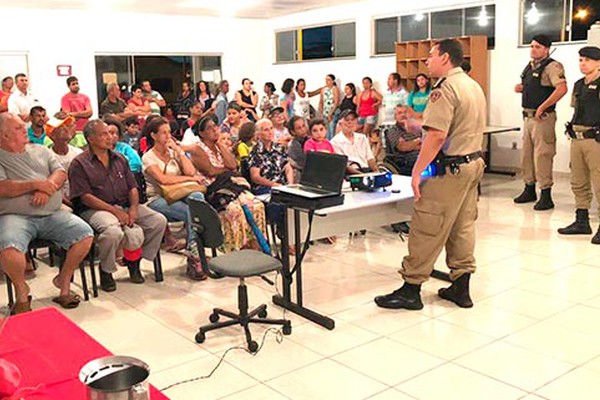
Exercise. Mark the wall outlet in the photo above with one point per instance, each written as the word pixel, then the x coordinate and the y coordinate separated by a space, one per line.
pixel 514 145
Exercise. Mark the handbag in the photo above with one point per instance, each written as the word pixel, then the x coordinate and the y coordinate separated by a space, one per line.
pixel 176 191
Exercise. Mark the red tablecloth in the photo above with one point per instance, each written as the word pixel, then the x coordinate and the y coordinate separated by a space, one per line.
pixel 50 350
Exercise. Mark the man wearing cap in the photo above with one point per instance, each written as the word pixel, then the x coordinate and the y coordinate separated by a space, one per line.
pixel 584 131
pixel 354 145
pixel 445 206
pixel 277 117
pixel 542 85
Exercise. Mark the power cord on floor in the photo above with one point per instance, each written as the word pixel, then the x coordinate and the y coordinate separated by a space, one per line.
pixel 278 338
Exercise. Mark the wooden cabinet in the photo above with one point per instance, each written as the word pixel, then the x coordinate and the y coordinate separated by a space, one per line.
pixel 411 58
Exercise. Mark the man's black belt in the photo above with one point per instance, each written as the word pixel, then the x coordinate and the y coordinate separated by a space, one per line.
pixel 457 160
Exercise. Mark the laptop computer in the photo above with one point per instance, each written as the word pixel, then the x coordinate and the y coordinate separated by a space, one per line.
pixel 323 176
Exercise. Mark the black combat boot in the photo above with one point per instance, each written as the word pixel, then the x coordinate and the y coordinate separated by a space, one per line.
pixel 408 297
pixel 458 292
pixel 596 238
pixel 581 226
pixel 545 201
pixel 528 195
pixel 135 275
pixel 107 283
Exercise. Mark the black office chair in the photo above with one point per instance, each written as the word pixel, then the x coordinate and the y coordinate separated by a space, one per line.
pixel 40 244
pixel 239 264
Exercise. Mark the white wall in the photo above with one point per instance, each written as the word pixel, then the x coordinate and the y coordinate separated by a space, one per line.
pixel 506 63
pixel 52 37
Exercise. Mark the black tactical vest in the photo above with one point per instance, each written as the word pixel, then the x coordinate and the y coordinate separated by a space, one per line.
pixel 587 103
pixel 534 94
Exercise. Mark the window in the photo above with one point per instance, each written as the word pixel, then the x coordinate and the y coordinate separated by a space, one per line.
pixel 480 20
pixel 446 24
pixel 414 27
pixel 386 33
pixel 316 43
pixel 286 46
pixel 561 20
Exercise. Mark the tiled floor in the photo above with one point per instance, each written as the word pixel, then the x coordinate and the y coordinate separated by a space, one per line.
pixel 533 333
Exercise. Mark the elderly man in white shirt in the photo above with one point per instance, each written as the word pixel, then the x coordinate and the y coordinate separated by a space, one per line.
pixel 354 145
pixel 21 101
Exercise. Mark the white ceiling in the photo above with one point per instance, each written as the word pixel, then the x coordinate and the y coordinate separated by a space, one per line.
pixel 234 8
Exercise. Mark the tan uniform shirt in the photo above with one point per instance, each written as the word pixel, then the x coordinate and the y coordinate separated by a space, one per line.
pixel 553 74
pixel 457 106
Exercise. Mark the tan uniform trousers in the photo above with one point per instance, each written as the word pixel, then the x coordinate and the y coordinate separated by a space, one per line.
pixel 444 216
pixel 585 171
pixel 147 233
pixel 539 149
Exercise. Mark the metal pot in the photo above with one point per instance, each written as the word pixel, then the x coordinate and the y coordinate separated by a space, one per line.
pixel 116 378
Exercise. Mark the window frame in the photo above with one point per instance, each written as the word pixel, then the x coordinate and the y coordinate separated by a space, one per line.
pixel 427 13
pixel 299 48
pixel 567 23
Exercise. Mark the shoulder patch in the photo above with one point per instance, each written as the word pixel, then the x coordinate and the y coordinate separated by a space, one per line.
pixel 435 96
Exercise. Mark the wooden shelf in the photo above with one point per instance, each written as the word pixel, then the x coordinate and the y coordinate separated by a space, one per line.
pixel 411 59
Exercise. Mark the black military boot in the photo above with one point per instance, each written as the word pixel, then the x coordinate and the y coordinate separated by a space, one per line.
pixel 107 283
pixel 581 226
pixel 528 195
pixel 596 238
pixel 545 201
pixel 135 275
pixel 408 297
pixel 458 292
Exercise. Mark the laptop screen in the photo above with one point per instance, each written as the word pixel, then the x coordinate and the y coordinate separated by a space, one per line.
pixel 324 171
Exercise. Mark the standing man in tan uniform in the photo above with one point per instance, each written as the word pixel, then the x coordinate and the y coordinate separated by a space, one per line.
pixel 584 131
pixel 542 85
pixel 446 204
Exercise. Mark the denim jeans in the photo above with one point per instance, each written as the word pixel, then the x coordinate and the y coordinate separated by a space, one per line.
pixel 178 212
pixel 62 228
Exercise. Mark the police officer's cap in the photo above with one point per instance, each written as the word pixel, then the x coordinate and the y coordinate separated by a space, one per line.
pixel 591 52
pixel 542 39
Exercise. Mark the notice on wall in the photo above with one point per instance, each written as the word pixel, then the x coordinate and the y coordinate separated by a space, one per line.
pixel 109 77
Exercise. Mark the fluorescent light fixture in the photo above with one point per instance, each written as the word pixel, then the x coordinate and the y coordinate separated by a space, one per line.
pixel 533 15
pixel 482 20
pixel 419 17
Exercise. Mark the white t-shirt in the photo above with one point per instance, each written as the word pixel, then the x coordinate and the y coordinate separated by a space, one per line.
pixel 358 151
pixel 65 161
pixel 149 159
pixel 189 138
pixel 302 106
pixel 390 101
pixel 279 135
pixel 21 104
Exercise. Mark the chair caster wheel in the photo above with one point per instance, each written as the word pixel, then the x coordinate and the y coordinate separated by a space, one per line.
pixel 262 314
pixel 200 337
pixel 287 329
pixel 214 317
pixel 252 346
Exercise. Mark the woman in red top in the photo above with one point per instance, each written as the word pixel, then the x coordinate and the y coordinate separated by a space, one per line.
pixel 368 106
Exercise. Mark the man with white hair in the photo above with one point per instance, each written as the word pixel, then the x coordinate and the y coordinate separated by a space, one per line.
pixel 30 198
pixel 114 105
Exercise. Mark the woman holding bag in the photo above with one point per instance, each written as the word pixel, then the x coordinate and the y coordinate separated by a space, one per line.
pixel 167 169
pixel 226 190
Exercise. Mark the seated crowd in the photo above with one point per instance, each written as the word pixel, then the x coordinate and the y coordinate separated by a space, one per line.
pixel 111 181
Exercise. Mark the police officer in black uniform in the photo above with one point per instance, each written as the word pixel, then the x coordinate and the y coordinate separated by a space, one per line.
pixel 584 131
pixel 542 84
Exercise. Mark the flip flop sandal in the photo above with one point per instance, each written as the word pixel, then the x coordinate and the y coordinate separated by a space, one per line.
pixel 21 307
pixel 68 301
